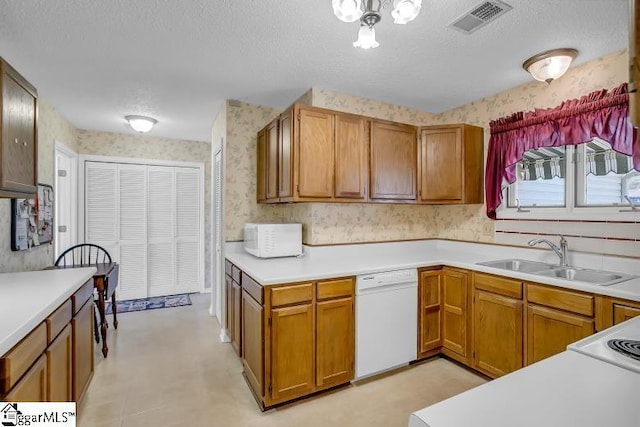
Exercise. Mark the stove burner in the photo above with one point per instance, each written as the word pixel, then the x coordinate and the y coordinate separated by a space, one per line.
pixel 629 348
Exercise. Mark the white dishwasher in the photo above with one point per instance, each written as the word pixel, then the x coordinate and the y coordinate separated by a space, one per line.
pixel 386 321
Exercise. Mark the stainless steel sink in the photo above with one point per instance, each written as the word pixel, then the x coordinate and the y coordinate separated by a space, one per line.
pixel 594 277
pixel 521 265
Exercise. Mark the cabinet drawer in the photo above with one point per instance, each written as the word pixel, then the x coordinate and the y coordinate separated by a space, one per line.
pixel 295 294
pixel 236 274
pixel 18 360
pixel 498 285
pixel 574 302
pixel 253 288
pixel 227 267
pixel 82 295
pixel 335 288
pixel 58 320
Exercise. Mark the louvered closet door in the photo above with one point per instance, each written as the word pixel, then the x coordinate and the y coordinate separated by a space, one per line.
pixel 187 230
pixel 161 231
pixel 101 206
pixel 132 189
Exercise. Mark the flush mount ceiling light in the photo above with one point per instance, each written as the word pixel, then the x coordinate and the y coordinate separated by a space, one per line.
pixel 368 13
pixel 142 124
pixel 550 65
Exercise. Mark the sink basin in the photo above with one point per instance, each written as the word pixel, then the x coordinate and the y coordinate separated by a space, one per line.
pixel 519 265
pixel 594 277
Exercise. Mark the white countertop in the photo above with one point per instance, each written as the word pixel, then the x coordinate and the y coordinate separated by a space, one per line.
pixel 26 299
pixel 566 390
pixel 350 260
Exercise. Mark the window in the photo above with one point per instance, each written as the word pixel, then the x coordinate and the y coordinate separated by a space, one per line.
pixel 587 181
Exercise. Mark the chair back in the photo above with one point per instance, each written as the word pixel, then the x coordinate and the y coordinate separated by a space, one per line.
pixel 83 254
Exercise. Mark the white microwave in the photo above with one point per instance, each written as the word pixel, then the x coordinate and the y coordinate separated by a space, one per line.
pixel 273 240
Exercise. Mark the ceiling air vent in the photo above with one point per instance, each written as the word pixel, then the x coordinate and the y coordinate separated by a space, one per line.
pixel 480 16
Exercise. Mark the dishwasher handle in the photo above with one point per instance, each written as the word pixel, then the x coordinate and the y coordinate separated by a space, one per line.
pixel 387 287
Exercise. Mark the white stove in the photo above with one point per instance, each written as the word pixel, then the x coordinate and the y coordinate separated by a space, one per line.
pixel 618 345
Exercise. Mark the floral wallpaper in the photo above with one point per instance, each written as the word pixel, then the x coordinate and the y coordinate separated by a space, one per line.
pixel 150 147
pixel 51 127
pixel 240 206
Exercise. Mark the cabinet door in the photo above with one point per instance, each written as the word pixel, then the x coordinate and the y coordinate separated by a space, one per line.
pixel 393 161
pixel 285 168
pixel 334 342
pixel 315 154
pixel 83 348
pixel 352 165
pixel 497 333
pixel 272 160
pixel 261 166
pixel 33 385
pixel 228 283
pixel 430 314
pixel 292 352
pixel 441 164
pixel 549 331
pixel 19 148
pixel 236 339
pixel 624 312
pixel 454 285
pixel 253 342
pixel 59 367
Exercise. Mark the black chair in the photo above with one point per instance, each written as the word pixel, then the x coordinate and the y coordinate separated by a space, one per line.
pixel 85 254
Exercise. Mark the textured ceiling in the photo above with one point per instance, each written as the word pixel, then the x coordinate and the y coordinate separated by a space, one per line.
pixel 97 61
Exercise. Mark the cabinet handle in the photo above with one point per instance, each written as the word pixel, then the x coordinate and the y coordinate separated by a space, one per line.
pixel 24 143
pixel 15 140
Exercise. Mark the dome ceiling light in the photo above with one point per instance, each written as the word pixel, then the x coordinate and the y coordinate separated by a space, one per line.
pixel 550 65
pixel 141 124
pixel 368 13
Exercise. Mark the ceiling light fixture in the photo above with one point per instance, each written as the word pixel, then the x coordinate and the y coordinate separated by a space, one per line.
pixel 550 65
pixel 142 124
pixel 353 10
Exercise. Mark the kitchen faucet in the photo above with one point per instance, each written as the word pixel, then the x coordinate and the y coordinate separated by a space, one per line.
pixel 560 251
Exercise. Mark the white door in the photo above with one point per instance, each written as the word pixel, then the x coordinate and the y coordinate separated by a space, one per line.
pixel 132 231
pixel 65 199
pixel 161 231
pixel 187 238
pixel 216 293
pixel 101 206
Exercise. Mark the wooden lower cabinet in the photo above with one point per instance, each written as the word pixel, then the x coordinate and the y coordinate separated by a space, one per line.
pixel 236 335
pixel 429 312
pixel 550 331
pixel 83 350
pixel 60 367
pixel 623 312
pixel 455 312
pixel 292 352
pixel 33 385
pixel 334 342
pixel 253 342
pixel 497 333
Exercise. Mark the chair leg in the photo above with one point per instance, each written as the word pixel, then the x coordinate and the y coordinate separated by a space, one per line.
pixel 96 332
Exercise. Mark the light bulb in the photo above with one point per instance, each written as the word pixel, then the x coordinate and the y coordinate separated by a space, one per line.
pixel 405 10
pixel 366 38
pixel 347 10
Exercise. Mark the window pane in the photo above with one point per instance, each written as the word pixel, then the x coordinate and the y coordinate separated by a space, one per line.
pixel 605 177
pixel 541 179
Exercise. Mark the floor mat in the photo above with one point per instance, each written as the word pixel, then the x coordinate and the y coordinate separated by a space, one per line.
pixel 150 303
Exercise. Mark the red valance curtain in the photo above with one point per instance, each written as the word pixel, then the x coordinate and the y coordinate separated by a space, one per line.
pixel 603 114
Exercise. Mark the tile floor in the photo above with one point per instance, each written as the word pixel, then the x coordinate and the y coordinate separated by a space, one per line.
pixel 167 367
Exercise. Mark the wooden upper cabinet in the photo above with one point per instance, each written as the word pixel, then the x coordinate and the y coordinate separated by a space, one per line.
pixel 261 166
pixel 352 163
pixel 285 146
pixel 315 155
pixel 18 144
pixel 393 161
pixel 272 144
pixel 451 164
